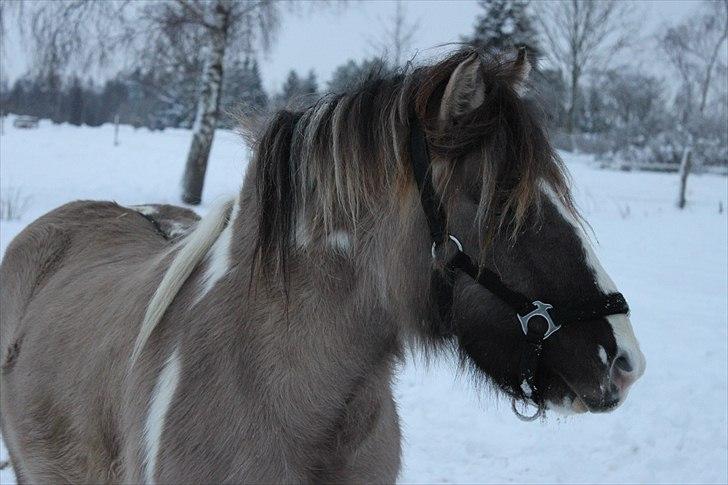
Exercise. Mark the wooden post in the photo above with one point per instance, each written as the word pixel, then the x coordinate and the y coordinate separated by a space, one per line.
pixel 116 129
pixel 685 166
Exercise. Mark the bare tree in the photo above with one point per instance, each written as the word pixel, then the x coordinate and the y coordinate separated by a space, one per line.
pixel 225 23
pixel 92 31
pixel 397 36
pixel 582 34
pixel 696 49
pixel 75 33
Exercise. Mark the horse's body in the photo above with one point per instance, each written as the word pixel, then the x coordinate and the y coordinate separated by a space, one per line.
pixel 260 347
pixel 76 284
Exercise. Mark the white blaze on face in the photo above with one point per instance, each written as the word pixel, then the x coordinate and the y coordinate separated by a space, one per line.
pixel 159 403
pixel 621 327
pixel 627 343
pixel 601 278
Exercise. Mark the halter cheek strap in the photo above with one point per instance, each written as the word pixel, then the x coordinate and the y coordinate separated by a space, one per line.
pixel 527 312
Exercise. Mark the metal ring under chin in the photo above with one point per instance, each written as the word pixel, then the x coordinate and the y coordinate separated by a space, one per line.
pixel 523 417
pixel 452 238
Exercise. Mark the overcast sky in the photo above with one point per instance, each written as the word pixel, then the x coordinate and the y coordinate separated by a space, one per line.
pixel 326 38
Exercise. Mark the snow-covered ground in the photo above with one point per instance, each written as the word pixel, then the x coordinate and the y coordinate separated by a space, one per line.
pixel 672 266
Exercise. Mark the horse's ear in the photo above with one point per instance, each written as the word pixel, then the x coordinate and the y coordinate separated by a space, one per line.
pixel 519 69
pixel 465 90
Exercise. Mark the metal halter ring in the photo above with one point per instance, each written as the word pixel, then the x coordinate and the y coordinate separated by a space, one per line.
pixel 453 239
pixel 523 417
pixel 542 310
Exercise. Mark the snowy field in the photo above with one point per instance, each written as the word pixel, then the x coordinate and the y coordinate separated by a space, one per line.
pixel 671 265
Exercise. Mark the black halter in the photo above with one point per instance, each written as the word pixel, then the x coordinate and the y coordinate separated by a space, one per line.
pixel 524 308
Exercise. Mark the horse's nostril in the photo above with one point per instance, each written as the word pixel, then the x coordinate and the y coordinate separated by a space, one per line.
pixel 623 364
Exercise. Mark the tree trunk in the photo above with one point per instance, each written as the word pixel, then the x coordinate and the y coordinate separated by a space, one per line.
pixel 208 107
pixel 711 63
pixel 685 165
pixel 571 113
pixel 116 129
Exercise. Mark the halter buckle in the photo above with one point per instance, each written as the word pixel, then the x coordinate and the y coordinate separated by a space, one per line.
pixel 541 310
pixel 451 238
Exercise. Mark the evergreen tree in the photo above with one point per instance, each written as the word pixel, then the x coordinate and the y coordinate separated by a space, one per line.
pixel 505 24
pixel 75 103
pixel 92 107
pixel 15 100
pixel 114 94
pixel 254 96
pixel 4 96
pixel 310 84
pixel 351 74
pixel 298 91
pixel 52 93
pixel 244 88
pixel 292 86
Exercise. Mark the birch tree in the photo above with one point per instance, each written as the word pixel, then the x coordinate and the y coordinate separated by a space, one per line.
pixel 580 35
pixel 91 32
pixel 224 24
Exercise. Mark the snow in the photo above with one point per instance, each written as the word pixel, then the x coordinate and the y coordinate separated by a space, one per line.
pixel 672 266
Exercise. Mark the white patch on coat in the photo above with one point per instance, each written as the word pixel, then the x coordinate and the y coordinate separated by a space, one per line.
pixel 339 240
pixel 159 404
pixel 190 251
pixel 219 260
pixel 302 234
pixel 621 326
pixel 147 210
pixel 177 229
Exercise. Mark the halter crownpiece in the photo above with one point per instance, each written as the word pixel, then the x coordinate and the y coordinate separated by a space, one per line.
pixel 524 308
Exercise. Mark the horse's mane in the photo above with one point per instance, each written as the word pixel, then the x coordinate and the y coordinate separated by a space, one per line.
pixel 326 167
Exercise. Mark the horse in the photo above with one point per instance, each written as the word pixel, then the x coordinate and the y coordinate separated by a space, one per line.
pixel 424 209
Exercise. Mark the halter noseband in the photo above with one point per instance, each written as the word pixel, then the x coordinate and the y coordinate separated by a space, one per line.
pixel 524 308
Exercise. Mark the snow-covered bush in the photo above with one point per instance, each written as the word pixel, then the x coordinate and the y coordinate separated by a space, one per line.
pixel 664 151
pixel 638 131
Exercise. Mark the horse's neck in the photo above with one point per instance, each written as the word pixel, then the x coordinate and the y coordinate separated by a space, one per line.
pixel 323 342
pixel 331 287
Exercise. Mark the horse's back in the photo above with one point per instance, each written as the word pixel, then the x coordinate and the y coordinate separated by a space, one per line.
pixel 68 232
pixel 66 282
